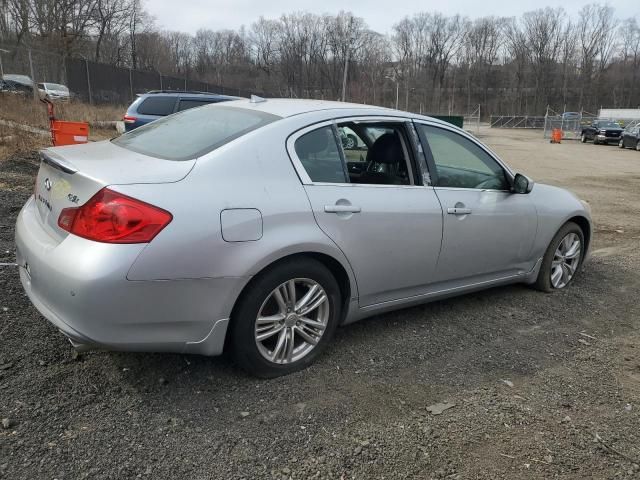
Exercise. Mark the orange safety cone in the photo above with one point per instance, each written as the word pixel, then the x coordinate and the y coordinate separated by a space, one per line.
pixel 556 135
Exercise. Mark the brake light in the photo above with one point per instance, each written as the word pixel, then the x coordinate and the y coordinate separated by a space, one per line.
pixel 112 217
pixel 129 119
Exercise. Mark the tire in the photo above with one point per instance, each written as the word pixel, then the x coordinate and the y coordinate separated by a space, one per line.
pixel 544 281
pixel 621 143
pixel 638 146
pixel 351 142
pixel 259 299
pixel 595 141
pixel 583 138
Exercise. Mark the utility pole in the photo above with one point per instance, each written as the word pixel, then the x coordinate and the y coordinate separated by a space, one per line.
pixel 86 64
pixel 35 85
pixel 346 60
pixel 394 79
pixel 2 50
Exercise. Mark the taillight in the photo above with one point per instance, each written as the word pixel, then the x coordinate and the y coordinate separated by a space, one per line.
pixel 129 119
pixel 112 217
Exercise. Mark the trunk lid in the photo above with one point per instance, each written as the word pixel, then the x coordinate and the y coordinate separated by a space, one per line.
pixel 71 175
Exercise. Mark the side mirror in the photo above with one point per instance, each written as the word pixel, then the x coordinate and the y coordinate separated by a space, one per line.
pixel 522 184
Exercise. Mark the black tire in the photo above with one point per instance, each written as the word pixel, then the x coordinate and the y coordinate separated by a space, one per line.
pixel 583 138
pixel 351 142
pixel 595 141
pixel 242 335
pixel 638 146
pixel 621 143
pixel 543 282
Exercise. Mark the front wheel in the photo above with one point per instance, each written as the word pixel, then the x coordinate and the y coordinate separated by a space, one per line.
pixel 562 259
pixel 638 146
pixel 583 138
pixel 621 143
pixel 286 318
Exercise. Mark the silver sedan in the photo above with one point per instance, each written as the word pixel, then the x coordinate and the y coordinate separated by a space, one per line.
pixel 249 226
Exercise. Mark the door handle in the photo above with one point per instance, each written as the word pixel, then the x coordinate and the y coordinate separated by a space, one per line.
pixel 458 211
pixel 341 209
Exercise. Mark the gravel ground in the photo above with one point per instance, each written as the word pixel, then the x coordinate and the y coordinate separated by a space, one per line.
pixel 537 385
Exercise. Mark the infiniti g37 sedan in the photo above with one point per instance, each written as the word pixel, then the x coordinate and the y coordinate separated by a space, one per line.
pixel 248 226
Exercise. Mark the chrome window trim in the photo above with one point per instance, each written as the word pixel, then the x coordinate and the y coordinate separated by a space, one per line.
pixel 488 190
pixel 302 173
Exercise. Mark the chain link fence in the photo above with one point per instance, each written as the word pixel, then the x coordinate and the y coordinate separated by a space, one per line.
pixel 100 83
pixel 516 121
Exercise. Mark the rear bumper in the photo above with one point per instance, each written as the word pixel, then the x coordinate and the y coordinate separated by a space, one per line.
pixel 81 288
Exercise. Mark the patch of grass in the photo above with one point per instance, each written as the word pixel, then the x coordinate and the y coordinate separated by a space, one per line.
pixel 25 110
pixel 13 140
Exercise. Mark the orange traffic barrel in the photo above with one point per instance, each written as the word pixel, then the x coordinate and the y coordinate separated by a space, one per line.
pixel 69 133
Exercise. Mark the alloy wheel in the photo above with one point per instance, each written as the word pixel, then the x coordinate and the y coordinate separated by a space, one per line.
pixel 292 320
pixel 566 260
pixel 350 143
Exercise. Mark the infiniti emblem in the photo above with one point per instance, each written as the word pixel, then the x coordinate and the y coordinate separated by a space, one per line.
pixel 47 184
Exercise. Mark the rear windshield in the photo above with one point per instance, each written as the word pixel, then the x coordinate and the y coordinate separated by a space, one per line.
pixel 194 132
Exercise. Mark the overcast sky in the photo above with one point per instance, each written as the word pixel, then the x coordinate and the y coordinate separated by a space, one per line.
pixel 190 15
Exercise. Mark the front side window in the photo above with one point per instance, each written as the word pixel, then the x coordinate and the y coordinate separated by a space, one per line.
pixel 318 152
pixel 193 133
pixel 460 163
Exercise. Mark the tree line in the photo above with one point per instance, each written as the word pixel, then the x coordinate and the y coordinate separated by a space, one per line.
pixel 429 62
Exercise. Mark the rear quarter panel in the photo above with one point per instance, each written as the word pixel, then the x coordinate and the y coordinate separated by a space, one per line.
pixel 253 172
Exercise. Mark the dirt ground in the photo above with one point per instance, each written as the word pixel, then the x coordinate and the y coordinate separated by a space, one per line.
pixel 542 385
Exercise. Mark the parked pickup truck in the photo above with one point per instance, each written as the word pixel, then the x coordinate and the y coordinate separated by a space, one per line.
pixel 601 131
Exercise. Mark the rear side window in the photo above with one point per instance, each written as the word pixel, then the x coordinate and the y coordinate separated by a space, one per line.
pixel 318 152
pixel 193 133
pixel 161 106
pixel 186 104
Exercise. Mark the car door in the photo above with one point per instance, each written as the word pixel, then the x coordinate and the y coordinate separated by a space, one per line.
pixel 630 138
pixel 390 231
pixel 488 232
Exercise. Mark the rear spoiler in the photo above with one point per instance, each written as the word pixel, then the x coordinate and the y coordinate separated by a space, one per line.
pixel 57 162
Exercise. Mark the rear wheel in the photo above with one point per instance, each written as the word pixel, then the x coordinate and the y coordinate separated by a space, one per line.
pixel 562 259
pixel 638 146
pixel 351 142
pixel 583 138
pixel 286 318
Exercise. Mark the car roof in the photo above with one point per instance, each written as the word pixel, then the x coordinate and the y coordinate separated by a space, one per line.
pixel 187 93
pixel 288 107
pixel 12 77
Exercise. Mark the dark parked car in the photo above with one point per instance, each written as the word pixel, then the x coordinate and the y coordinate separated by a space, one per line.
pixel 630 137
pixel 160 103
pixel 601 131
pixel 17 83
